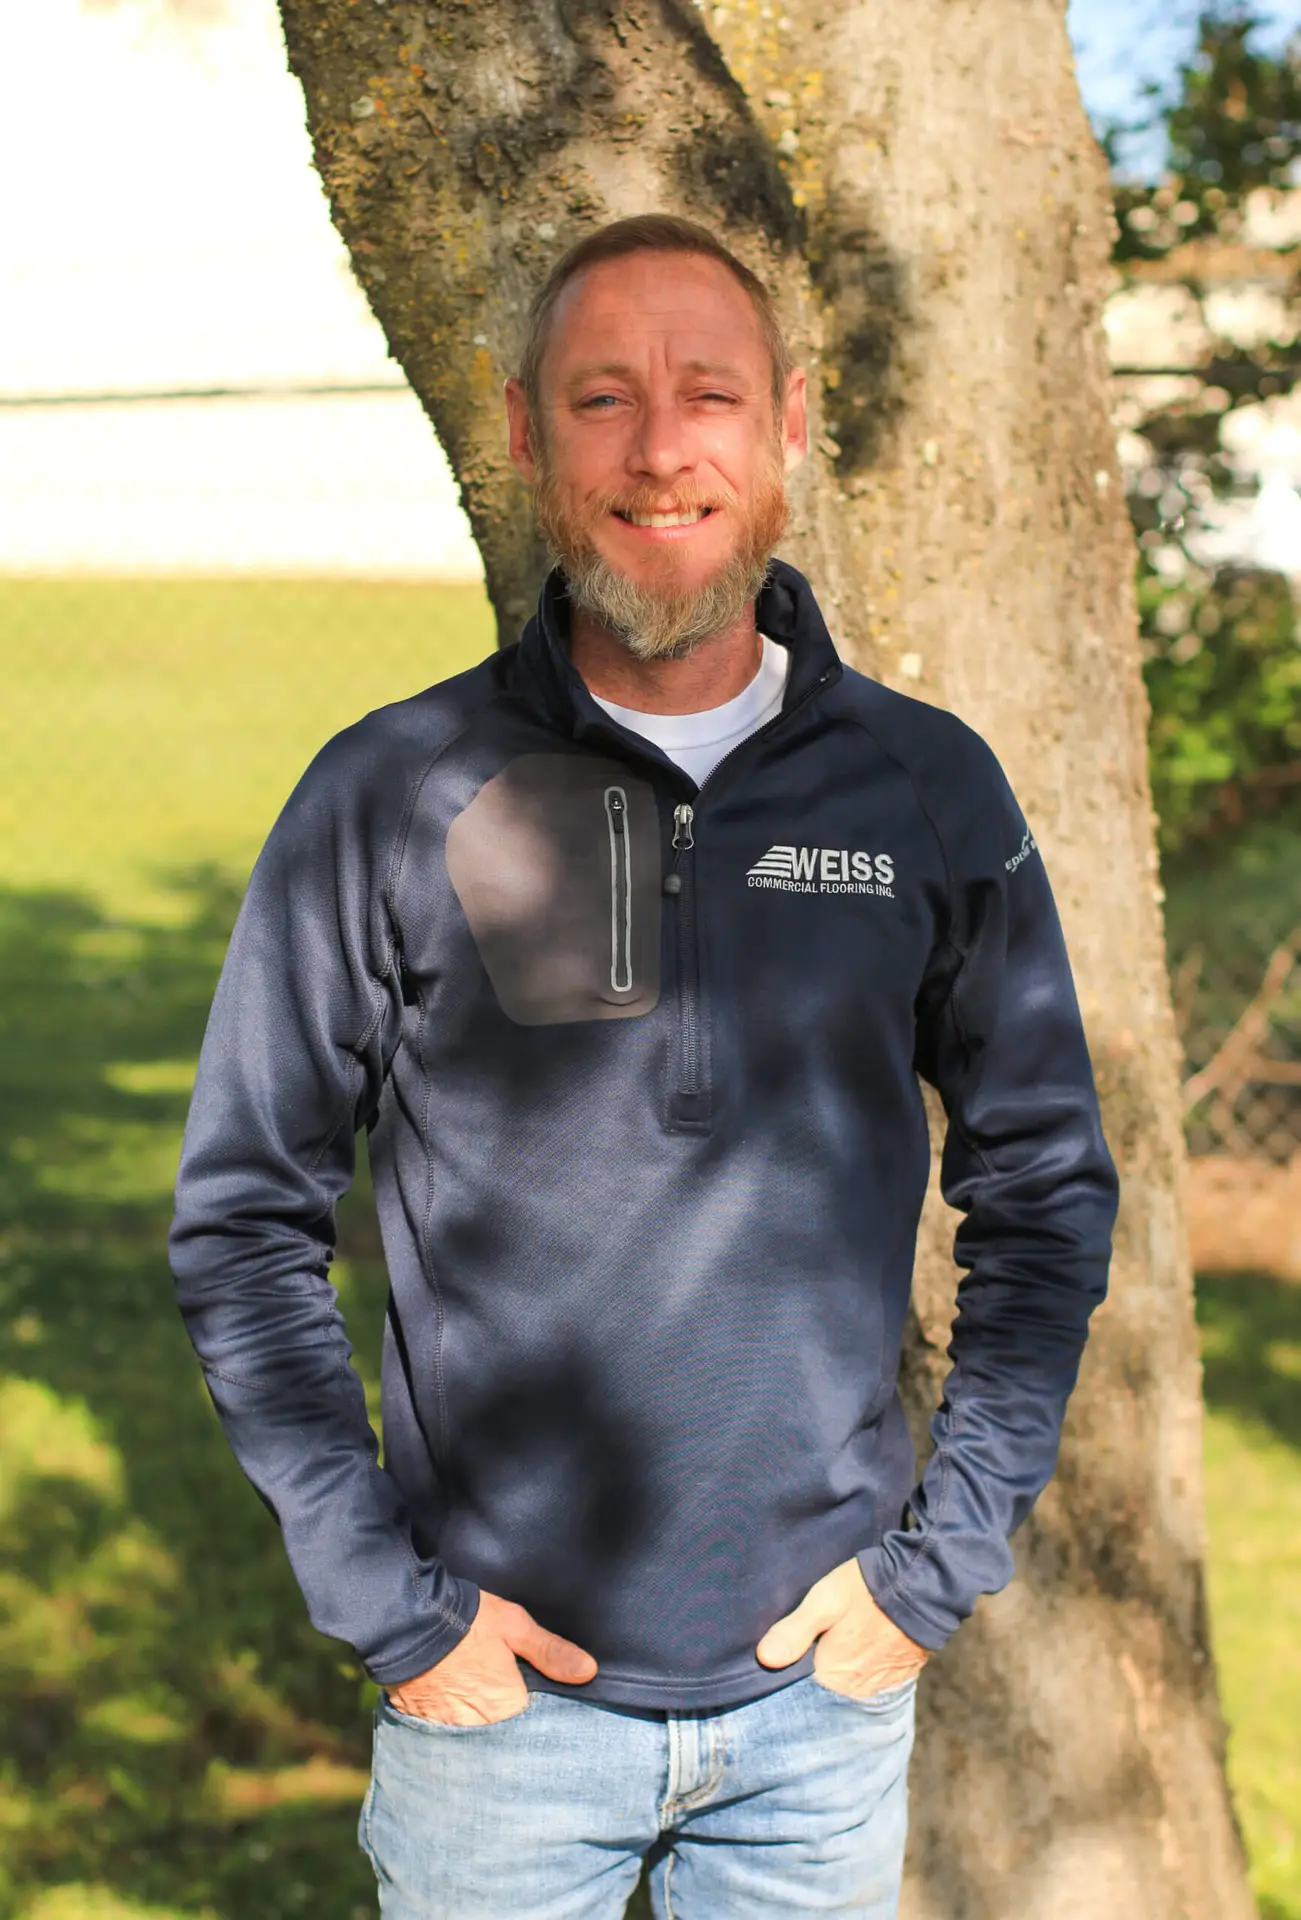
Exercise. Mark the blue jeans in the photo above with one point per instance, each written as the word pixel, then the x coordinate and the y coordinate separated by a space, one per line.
pixel 796 1803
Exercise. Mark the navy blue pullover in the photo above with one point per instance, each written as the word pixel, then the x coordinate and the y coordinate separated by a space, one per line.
pixel 639 1064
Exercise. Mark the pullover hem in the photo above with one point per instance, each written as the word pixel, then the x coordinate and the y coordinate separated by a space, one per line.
pixel 734 1688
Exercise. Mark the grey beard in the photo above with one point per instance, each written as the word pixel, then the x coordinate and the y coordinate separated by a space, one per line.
pixel 659 625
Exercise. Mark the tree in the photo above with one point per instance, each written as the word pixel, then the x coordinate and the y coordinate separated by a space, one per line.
pixel 917 182
pixel 1223 664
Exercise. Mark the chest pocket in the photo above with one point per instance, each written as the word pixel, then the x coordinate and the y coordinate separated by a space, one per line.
pixel 556 864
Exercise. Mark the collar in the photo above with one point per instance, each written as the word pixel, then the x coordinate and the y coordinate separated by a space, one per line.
pixel 786 610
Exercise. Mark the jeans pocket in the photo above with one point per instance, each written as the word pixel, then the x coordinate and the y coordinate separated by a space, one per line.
pixel 395 1717
pixel 881 1702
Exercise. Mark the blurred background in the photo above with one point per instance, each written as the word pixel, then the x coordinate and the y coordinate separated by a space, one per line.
pixel 226 529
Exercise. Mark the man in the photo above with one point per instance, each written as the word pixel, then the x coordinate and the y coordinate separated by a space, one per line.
pixel 627 947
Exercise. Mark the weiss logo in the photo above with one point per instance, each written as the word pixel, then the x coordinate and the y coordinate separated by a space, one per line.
pixel 824 870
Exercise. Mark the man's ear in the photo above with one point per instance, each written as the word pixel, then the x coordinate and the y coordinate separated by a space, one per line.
pixel 795 423
pixel 519 428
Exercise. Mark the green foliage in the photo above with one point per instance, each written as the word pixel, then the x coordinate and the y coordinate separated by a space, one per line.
pixel 1223 671
pixel 1223 665
pixel 1233 127
pixel 1241 910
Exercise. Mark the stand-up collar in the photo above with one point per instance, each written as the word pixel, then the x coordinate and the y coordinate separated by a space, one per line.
pixel 786 611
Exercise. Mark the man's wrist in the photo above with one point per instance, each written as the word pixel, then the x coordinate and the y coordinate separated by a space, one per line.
pixel 882 1579
pixel 416 1656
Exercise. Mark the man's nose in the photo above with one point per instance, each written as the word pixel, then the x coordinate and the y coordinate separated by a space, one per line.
pixel 661 447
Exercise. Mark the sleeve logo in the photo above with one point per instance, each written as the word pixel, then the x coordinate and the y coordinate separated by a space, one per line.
pixel 1023 852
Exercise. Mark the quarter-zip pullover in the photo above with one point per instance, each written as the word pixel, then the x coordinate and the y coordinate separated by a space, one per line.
pixel 639 1064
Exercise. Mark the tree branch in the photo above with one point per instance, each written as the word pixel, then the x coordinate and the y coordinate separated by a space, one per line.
pixel 1230 1068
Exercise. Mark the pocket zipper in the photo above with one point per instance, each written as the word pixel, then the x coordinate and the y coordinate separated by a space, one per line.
pixel 616 814
pixel 684 840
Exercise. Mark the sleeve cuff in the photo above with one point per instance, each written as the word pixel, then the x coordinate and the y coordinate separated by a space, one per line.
pixel 885 1581
pixel 439 1635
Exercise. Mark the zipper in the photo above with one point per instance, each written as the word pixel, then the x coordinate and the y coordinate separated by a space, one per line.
pixel 778 720
pixel 616 814
pixel 690 1102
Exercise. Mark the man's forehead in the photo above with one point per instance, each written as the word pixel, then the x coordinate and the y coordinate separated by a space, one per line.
pixel 692 305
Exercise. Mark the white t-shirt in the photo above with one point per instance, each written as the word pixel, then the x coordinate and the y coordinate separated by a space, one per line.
pixel 698 741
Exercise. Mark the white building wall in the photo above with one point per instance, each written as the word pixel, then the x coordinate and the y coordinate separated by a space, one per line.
pixel 164 228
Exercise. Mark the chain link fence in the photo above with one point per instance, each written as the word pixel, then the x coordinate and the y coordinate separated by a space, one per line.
pixel 1238 1014
pixel 263 668
pixel 1235 967
pixel 150 728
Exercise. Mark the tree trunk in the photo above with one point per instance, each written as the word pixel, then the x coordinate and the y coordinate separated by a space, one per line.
pixel 917 182
pixel 465 145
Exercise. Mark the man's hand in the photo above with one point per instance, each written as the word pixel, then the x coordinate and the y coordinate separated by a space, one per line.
pixel 860 1650
pixel 479 1681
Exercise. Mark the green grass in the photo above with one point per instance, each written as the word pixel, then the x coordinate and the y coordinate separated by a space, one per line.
pixel 149 726
pixel 175 1741
pixel 1251 1342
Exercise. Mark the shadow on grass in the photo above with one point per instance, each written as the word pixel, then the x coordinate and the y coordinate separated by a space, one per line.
pixel 172 1731
pixel 1251 1349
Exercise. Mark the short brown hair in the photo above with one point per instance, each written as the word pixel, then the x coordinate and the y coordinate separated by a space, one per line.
pixel 645 233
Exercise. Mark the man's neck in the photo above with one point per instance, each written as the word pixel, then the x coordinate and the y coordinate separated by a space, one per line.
pixel 719 669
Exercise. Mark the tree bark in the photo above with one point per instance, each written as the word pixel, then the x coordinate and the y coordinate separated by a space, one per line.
pixel 465 145
pixel 917 182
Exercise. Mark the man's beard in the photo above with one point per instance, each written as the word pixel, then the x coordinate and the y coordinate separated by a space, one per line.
pixel 661 619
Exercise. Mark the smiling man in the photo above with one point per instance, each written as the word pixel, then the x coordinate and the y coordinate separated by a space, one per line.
pixel 628 948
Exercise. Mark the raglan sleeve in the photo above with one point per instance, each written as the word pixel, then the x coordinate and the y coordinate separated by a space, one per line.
pixel 302 1031
pixel 999 1035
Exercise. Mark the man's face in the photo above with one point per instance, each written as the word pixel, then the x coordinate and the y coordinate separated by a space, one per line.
pixel 658 462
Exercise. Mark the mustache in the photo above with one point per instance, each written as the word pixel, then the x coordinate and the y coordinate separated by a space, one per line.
pixel 660 618
pixel 687 496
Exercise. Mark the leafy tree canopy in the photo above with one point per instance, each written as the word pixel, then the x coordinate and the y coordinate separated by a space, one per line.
pixel 1223 663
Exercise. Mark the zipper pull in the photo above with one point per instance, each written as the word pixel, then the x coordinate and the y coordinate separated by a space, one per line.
pixel 614 800
pixel 682 819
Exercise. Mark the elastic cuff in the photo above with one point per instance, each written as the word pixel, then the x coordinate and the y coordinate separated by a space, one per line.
pixel 881 1578
pixel 445 1631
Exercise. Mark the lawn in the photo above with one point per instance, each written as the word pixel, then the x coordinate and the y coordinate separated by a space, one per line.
pixel 149 727
pixel 175 1741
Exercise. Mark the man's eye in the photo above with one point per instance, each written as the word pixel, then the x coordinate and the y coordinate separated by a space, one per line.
pixel 600 400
